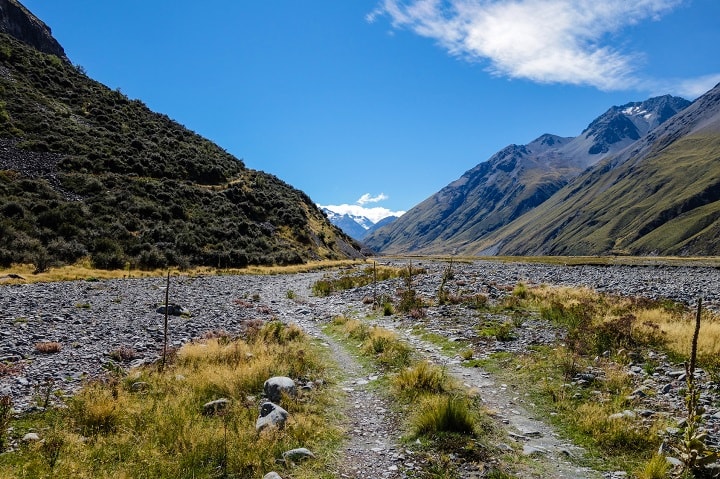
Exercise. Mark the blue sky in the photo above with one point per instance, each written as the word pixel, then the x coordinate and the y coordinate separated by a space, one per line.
pixel 374 105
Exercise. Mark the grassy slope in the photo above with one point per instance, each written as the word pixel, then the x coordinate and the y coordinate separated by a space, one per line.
pixel 664 205
pixel 152 193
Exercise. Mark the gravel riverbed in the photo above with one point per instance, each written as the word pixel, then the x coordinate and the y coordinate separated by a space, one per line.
pixel 94 320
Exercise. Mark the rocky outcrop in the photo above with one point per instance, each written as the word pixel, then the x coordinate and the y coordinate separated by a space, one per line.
pixel 19 22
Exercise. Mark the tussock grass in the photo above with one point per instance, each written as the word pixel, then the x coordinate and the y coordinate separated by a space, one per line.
pixel 444 414
pixel 113 429
pixel 656 468
pixel 422 378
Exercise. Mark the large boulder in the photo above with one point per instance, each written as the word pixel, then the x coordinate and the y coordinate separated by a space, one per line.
pixel 271 415
pixel 275 386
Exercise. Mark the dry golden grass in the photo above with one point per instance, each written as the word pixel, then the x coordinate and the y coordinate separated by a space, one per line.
pixel 671 325
pixel 615 434
pixel 48 347
pixel 575 260
pixel 678 330
pixel 114 430
pixel 84 270
pixel 422 378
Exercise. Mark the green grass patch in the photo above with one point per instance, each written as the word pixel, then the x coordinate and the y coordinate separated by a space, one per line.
pixel 448 347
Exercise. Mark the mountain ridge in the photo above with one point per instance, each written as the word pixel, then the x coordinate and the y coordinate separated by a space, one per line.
pixel 665 190
pixel 515 180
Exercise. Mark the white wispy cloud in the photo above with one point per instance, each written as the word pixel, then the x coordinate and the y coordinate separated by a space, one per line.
pixel 690 88
pixel 368 198
pixel 547 41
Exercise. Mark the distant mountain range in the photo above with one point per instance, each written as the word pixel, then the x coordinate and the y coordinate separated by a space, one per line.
pixel 643 178
pixel 357 227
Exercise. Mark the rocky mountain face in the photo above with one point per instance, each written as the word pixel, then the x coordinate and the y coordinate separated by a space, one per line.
pixel 357 227
pixel 87 173
pixel 659 196
pixel 516 180
pixel 18 22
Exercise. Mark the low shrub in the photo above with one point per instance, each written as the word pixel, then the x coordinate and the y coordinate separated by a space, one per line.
pixel 123 353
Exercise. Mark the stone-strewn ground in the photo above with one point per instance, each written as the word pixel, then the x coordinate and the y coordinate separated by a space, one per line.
pixel 93 320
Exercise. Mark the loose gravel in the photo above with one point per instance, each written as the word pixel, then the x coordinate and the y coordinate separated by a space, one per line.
pixel 95 320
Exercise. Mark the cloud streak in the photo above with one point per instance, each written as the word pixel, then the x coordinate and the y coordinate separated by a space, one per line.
pixel 546 41
pixel 368 198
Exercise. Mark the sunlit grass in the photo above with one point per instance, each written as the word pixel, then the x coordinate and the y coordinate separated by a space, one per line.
pixel 114 428
pixel 422 378
pixel 645 322
pixel 83 270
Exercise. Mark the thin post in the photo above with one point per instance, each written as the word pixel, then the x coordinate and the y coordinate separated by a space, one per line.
pixel 375 301
pixel 165 329
pixel 693 349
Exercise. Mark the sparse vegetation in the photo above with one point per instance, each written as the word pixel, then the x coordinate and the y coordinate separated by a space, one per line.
pixel 354 279
pixel 48 347
pixel 443 415
pixel 692 448
pixel 382 345
pixel 123 353
pixel 599 332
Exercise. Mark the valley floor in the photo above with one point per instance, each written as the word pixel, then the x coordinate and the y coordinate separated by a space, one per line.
pixel 93 319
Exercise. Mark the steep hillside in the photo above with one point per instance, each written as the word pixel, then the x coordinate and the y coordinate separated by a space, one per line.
pixel 85 171
pixel 659 196
pixel 516 180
